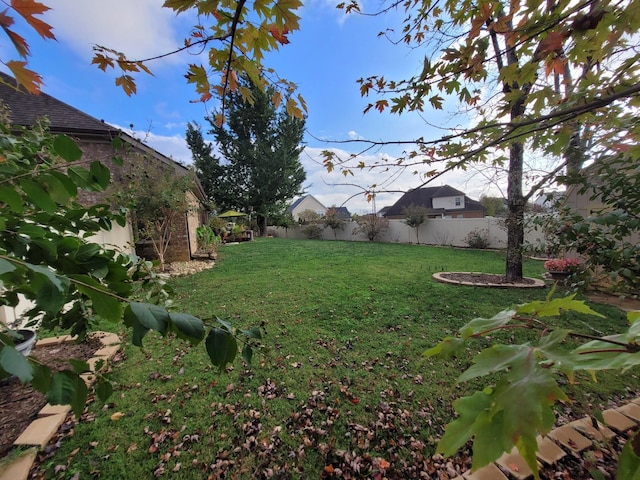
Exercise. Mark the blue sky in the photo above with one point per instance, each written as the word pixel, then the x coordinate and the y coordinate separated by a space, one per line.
pixel 325 58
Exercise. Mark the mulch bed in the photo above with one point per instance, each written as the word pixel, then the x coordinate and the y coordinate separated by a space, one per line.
pixel 482 278
pixel 20 404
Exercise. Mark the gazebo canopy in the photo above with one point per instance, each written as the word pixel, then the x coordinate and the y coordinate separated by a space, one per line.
pixel 231 214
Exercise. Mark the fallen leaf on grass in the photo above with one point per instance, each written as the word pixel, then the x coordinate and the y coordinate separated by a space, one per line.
pixel 116 416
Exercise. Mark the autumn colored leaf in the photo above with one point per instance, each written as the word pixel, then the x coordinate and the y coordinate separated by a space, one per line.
pixel 556 66
pixel 102 61
pixel 116 416
pixel 19 43
pixel 179 5
pixel 276 99
pixel 29 79
pixel 27 9
pixel 381 105
pixel 127 83
pixel 293 109
pixel 551 43
pixel 279 35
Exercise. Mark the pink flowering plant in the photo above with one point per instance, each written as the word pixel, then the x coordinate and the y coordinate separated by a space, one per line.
pixel 570 265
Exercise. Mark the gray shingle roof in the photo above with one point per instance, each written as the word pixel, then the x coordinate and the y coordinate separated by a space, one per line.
pixel 63 118
pixel 424 197
pixel 26 108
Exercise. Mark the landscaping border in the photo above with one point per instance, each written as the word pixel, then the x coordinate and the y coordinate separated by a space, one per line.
pixel 440 277
pixel 38 434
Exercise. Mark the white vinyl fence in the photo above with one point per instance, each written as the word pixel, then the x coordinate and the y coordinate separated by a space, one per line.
pixel 436 231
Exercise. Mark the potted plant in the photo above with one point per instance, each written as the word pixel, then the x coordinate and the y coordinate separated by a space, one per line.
pixel 560 268
pixel 23 333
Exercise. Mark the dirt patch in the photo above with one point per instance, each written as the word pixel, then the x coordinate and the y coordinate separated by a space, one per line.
pixel 19 404
pixel 622 302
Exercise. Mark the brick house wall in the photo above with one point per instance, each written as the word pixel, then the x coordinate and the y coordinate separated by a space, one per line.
pixel 183 241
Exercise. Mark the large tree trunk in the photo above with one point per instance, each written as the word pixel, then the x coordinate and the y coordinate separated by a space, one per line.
pixel 515 215
pixel 262 224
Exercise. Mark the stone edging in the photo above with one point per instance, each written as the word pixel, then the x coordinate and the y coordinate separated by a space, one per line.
pixel 49 419
pixel 438 277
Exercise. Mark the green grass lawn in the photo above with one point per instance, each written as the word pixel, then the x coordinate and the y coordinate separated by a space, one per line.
pixel 341 382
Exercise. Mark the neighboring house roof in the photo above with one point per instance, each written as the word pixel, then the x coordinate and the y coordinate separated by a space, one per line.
pixel 63 118
pixel 302 199
pixel 383 211
pixel 424 197
pixel 342 212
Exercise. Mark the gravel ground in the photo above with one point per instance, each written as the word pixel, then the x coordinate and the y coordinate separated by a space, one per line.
pixel 177 269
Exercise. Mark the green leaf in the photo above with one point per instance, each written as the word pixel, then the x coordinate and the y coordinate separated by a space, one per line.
pixel 448 347
pixel 149 316
pixel 80 366
pixel 104 389
pixel 526 396
pixel 550 347
pixel 458 432
pixel 552 308
pixel 490 442
pixel 247 354
pixel 12 198
pixel 226 325
pixel 104 304
pixel 479 325
pixel 495 359
pixel 67 388
pixel 80 176
pixel 15 363
pixel 6 266
pixel 38 196
pixel 66 148
pixel 100 173
pixel 41 380
pixel 187 327
pixel 221 347
pixel 629 460
pixel 56 189
pixel 253 332
pixel 634 329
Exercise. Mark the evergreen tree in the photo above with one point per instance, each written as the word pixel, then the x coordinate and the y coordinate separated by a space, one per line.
pixel 260 145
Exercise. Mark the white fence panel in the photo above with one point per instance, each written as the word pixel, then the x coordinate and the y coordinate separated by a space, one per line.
pixel 436 231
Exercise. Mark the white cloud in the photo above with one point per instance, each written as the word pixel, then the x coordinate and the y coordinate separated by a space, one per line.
pixel 140 28
pixel 173 146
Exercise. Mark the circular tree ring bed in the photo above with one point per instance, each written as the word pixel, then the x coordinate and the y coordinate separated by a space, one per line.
pixel 478 279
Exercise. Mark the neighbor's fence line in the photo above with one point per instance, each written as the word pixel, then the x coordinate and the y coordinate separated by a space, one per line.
pixel 436 231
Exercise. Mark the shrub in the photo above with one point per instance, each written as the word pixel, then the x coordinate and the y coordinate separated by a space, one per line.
pixel 570 265
pixel 478 238
pixel 313 232
pixel 371 226
pixel 207 239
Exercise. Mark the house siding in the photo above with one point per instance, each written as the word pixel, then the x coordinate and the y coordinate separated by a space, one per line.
pixel 449 203
pixel 183 240
pixel 308 203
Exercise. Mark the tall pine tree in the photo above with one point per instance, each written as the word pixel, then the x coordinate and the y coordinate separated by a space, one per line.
pixel 260 146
